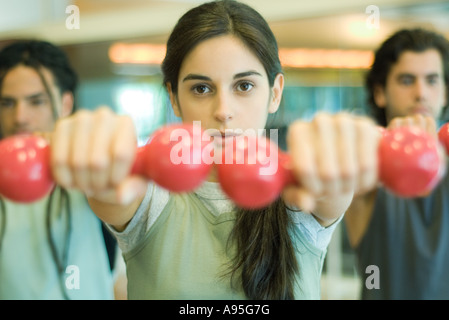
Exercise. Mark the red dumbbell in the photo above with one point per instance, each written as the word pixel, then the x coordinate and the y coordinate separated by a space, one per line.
pixel 409 162
pixel 443 136
pixel 253 171
pixel 25 174
pixel 173 158
pixel 409 165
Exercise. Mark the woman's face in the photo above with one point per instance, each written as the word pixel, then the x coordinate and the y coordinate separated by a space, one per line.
pixel 224 85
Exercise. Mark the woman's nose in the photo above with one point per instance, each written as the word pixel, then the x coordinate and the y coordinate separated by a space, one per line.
pixel 223 110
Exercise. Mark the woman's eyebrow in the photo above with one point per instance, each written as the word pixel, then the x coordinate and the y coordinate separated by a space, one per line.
pixel 193 76
pixel 196 77
pixel 247 74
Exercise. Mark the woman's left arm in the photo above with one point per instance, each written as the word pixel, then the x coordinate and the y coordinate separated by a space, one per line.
pixel 333 158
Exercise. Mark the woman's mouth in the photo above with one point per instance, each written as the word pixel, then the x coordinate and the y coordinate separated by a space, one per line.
pixel 221 138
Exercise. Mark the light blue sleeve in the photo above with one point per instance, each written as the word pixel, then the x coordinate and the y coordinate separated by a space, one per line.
pixel 313 231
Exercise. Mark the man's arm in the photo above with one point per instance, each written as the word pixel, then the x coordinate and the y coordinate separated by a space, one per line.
pixel 358 217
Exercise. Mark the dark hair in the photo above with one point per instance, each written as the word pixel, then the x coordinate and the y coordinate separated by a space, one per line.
pixel 417 40
pixel 40 54
pixel 265 261
pixel 215 19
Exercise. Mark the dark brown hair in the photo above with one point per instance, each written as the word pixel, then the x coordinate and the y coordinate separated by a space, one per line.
pixel 265 261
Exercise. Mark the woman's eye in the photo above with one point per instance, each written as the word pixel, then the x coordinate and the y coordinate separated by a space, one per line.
pixel 201 89
pixel 244 86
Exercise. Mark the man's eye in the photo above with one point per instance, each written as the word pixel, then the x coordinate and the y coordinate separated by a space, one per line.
pixel 406 80
pixel 6 104
pixel 38 102
pixel 432 80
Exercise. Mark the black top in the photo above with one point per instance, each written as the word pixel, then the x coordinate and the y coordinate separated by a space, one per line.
pixel 408 241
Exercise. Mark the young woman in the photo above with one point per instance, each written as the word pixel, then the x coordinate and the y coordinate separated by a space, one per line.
pixel 221 68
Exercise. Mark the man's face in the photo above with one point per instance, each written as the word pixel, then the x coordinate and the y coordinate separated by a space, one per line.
pixel 415 85
pixel 25 106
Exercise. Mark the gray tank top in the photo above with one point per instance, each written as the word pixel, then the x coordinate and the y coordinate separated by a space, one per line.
pixel 408 241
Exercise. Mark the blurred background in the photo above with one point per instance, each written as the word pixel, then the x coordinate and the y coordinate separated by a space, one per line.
pixel 326 46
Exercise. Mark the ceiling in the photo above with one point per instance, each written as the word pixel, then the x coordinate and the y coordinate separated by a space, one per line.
pixel 296 23
pixel 343 24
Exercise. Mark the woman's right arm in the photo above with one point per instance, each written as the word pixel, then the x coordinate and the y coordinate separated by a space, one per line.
pixel 94 152
pixel 118 216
